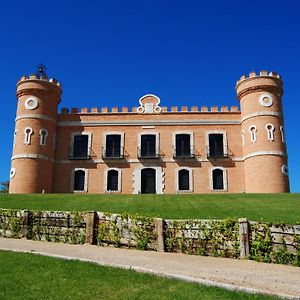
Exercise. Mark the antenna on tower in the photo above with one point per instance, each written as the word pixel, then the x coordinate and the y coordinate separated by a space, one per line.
pixel 41 71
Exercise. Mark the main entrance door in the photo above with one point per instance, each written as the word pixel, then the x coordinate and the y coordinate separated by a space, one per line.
pixel 148 182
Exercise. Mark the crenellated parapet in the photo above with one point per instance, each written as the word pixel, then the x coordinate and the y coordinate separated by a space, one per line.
pixel 37 77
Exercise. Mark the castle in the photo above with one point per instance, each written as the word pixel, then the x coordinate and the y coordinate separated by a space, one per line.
pixel 150 148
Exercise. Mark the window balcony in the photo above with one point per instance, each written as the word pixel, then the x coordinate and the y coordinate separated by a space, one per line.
pixel 217 152
pixel 149 153
pixel 184 153
pixel 80 154
pixel 113 153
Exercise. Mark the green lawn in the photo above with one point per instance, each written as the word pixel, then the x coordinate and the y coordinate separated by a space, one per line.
pixel 283 208
pixel 29 276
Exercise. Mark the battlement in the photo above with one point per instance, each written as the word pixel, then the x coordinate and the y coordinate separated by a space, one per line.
pixel 262 73
pixel 42 78
pixel 164 109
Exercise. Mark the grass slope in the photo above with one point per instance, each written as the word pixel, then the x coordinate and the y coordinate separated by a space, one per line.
pixel 29 276
pixel 283 208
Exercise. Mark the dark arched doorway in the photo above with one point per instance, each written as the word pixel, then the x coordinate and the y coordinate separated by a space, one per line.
pixel 148 182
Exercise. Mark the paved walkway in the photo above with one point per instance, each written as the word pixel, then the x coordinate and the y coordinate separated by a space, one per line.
pixel 232 274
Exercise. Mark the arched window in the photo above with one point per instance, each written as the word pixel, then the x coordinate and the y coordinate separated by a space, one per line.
pixel 243 137
pixel 282 134
pixel 270 132
pixel 43 137
pixel 252 131
pixel 112 180
pixel 218 179
pixel 79 180
pixel 28 133
pixel 15 136
pixel 183 180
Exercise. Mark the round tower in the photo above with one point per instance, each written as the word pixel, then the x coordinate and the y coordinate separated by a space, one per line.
pixel 34 138
pixel 265 157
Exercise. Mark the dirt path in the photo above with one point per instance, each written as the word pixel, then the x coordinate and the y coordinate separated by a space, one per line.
pixel 232 274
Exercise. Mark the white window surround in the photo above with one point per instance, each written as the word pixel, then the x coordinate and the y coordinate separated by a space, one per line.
pixel 285 170
pixel 86 173
pixel 266 100
pixel 119 180
pixel 270 132
pixel 191 133
pixel 225 183
pixel 28 133
pixel 43 137
pixel 139 139
pixel 12 173
pixel 252 130
pixel 73 134
pixel 191 181
pixel 282 133
pixel 15 136
pixel 207 133
pixel 122 134
pixel 160 179
pixel 31 102
pixel 243 137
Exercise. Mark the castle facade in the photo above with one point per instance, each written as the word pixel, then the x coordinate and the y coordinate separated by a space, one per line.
pixel 150 148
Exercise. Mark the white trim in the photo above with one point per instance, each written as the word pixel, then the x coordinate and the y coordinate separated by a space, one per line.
pixel 225 183
pixel 38 156
pixel 121 133
pixel 159 179
pixel 148 123
pixel 86 173
pixel 119 180
pixel 152 109
pixel 191 180
pixel 27 137
pixel 31 102
pixel 252 130
pixel 43 137
pixel 264 103
pixel 261 153
pixel 191 133
pixel 34 116
pixel 243 137
pixel 285 170
pixel 15 136
pixel 157 142
pixel 282 133
pixel 73 134
pixel 225 144
pixel 261 113
pixel 270 132
pixel 12 173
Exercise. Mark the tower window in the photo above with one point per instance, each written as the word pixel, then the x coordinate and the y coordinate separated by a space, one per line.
pixel 252 131
pixel 79 180
pixel 43 137
pixel 112 181
pixel 80 147
pixel 243 137
pixel 282 134
pixel 183 145
pixel 270 132
pixel 216 145
pixel 28 133
pixel 15 136
pixel 218 179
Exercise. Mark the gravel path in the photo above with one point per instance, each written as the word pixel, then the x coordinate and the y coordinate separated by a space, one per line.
pixel 243 275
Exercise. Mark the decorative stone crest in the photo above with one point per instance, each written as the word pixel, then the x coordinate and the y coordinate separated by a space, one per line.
pixel 149 104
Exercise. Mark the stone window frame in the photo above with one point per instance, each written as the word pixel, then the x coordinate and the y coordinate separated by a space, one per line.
pixel 281 128
pixel 43 137
pixel 270 132
pixel 86 175
pixel 225 142
pixel 157 140
pixel 28 132
pixel 192 140
pixel 243 137
pixel 15 137
pixel 191 180
pixel 253 131
pixel 73 134
pixel 121 133
pixel 225 179
pixel 119 180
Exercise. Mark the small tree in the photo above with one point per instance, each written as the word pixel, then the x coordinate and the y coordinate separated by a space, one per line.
pixel 4 187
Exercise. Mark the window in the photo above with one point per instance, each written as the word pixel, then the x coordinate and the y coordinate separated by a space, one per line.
pixel 216 145
pixel 270 132
pixel 148 146
pixel 43 137
pixel 183 145
pixel 113 146
pixel 218 179
pixel 80 146
pixel 282 134
pixel 113 181
pixel 183 180
pixel 79 180
pixel 28 133
pixel 252 131
pixel 15 136
pixel 243 137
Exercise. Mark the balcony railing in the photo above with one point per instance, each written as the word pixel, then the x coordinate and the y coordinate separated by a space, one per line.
pixel 84 155
pixel 217 152
pixel 111 154
pixel 149 153
pixel 189 152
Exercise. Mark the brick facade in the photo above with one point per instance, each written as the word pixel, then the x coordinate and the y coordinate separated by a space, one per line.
pixel 150 148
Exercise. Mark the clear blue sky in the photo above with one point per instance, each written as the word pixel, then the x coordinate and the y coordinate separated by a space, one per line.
pixel 187 52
